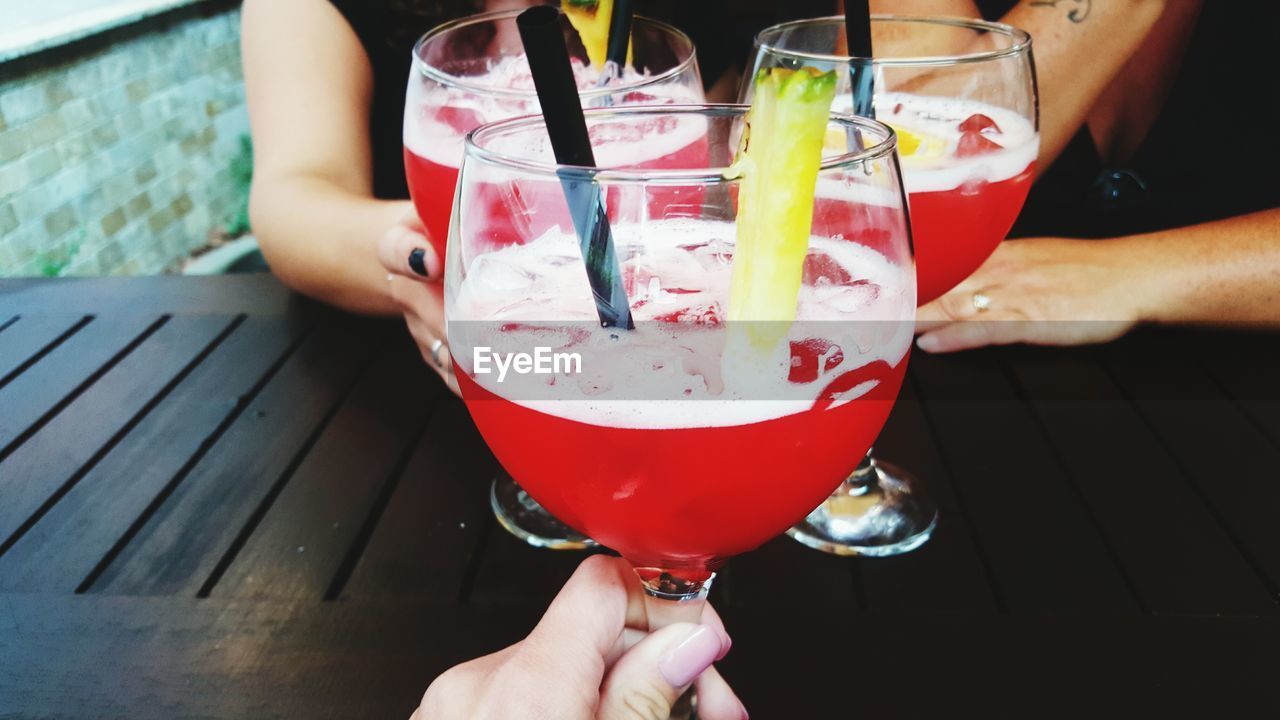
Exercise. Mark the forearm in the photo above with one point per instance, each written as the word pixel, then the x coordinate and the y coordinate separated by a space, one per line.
pixel 1080 46
pixel 953 8
pixel 321 240
pixel 1220 272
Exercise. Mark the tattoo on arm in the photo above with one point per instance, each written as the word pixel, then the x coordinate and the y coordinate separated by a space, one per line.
pixel 1079 9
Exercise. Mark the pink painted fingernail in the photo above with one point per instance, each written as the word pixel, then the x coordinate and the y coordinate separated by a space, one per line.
pixel 726 643
pixel 683 663
pixel 927 343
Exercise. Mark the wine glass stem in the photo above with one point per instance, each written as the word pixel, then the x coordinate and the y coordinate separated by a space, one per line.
pixel 670 599
pixel 664 611
pixel 865 473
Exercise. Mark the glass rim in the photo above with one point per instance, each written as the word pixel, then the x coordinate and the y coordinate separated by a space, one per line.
pixel 1021 41
pixel 671 176
pixel 421 66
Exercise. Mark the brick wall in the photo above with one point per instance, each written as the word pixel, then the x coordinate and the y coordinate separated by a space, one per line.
pixel 115 152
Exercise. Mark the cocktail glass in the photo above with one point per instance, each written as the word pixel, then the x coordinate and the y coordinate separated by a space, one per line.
pixel 670 442
pixel 962 96
pixel 472 71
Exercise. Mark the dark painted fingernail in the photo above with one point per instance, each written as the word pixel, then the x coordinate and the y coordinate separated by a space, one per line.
pixel 416 263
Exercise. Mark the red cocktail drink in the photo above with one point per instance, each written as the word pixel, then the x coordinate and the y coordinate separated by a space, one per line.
pixel 457 87
pixel 637 497
pixel 961 93
pixel 432 183
pixel 473 71
pixel 432 186
pixel 967 167
pixel 947 252
pixel 655 446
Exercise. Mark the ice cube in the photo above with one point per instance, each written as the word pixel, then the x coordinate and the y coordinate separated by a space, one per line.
pixel 975 143
pixel 498 274
pixel 462 120
pixel 813 357
pixel 560 260
pixel 979 123
pixel 854 297
pixel 822 269
pixel 714 255
pixel 635 97
pixel 703 314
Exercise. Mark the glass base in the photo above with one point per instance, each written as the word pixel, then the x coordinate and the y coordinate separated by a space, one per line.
pixel 524 518
pixel 877 512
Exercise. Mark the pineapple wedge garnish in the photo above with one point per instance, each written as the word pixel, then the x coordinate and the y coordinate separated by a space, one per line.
pixel 591 19
pixel 778 163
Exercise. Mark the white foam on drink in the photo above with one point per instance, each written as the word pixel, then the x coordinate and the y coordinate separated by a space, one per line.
pixel 625 142
pixel 941 117
pixel 877 188
pixel 428 137
pixel 670 374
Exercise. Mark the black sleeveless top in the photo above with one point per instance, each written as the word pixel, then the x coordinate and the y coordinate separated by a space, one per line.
pixel 388 29
pixel 1195 165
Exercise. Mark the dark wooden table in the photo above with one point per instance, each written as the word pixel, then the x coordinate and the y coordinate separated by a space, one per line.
pixel 220 500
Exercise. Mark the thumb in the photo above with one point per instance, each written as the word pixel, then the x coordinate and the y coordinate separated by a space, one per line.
pixel 647 680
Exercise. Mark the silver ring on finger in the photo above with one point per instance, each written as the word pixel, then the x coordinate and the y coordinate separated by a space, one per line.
pixel 436 347
pixel 981 302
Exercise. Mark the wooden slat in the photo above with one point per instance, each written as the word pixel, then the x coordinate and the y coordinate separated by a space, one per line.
pixel 26 337
pixel 98 510
pixel 181 545
pixel 947 573
pixel 1231 463
pixel 158 658
pixel 47 460
pixel 173 657
pixel 1041 545
pixel 787 576
pixel 303 540
pixel 258 294
pixel 31 396
pixel 425 541
pixel 511 572
pixel 795 665
pixel 1245 366
pixel 1173 551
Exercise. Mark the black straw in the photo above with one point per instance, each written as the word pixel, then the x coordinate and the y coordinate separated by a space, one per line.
pixel 857 31
pixel 619 34
pixel 543 39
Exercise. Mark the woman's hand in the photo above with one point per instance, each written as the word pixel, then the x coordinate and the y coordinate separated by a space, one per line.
pixel 416 277
pixel 1041 291
pixel 591 657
